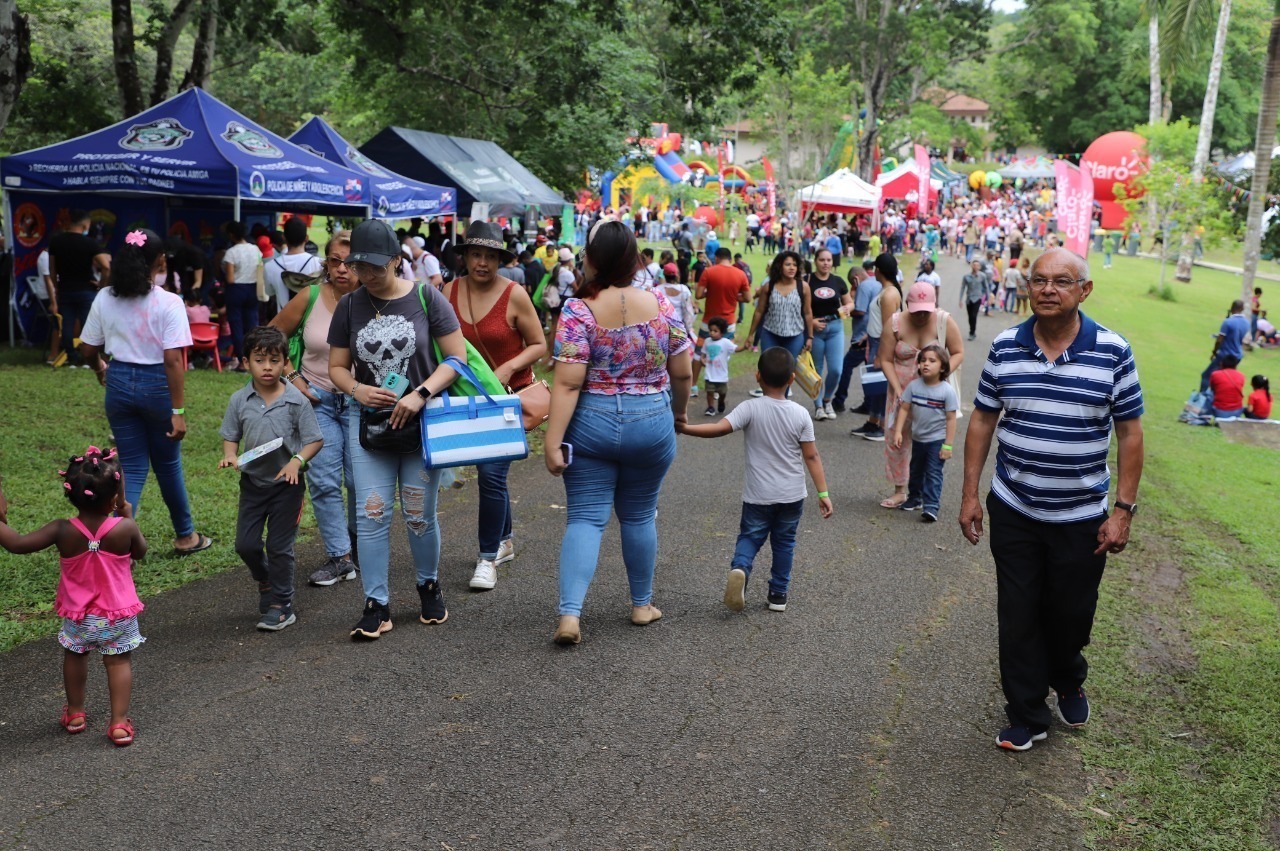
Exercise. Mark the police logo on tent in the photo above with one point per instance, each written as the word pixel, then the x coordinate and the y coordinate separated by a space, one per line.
pixel 310 150
pixel 251 141
pixel 163 134
pixel 384 206
pixel 257 184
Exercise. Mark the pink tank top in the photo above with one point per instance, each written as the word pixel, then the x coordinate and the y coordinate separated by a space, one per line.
pixel 97 582
pixel 315 339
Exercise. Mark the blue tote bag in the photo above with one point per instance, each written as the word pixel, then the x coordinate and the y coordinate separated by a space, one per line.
pixel 458 431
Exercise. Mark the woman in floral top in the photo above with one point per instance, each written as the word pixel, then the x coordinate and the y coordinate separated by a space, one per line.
pixel 622 379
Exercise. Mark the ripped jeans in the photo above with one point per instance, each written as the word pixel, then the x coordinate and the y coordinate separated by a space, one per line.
pixel 377 475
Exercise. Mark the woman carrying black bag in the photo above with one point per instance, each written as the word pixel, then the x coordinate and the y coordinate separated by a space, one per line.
pixel 384 331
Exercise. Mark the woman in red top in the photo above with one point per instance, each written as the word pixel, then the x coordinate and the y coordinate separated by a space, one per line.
pixel 1259 406
pixel 1227 384
pixel 498 318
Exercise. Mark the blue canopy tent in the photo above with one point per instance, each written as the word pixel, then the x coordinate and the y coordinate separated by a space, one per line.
pixel 185 165
pixel 392 195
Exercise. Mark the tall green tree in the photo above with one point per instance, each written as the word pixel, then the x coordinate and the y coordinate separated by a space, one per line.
pixel 15 57
pixel 1268 111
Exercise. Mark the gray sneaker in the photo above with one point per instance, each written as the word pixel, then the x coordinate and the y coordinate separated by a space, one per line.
pixel 333 571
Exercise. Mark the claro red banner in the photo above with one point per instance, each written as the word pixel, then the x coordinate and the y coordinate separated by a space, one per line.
pixel 923 168
pixel 770 187
pixel 1075 206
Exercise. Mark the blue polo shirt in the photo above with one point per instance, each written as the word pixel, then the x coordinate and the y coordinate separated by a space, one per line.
pixel 1233 331
pixel 1051 460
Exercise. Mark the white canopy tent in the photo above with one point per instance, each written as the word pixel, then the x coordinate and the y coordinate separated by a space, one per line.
pixel 840 192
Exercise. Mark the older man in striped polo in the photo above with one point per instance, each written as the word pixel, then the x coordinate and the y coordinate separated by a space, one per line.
pixel 1052 389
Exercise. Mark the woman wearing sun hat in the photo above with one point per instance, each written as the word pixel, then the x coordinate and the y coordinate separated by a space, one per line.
pixel 497 317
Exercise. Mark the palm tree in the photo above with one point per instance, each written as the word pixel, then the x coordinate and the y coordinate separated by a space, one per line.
pixel 1265 143
pixel 1186 24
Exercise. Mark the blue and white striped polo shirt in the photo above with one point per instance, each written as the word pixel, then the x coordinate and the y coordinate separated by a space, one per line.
pixel 1051 462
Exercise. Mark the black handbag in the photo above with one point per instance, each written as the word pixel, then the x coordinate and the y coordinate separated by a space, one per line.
pixel 377 435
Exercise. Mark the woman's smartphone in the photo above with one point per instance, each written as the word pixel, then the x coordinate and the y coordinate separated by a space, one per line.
pixel 568 453
pixel 397 384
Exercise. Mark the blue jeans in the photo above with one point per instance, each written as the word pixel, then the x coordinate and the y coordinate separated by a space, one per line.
pixel 778 523
pixel 494 525
pixel 242 313
pixel 74 306
pixel 328 470
pixel 828 348
pixel 925 482
pixel 793 344
pixel 376 476
pixel 622 448
pixel 1215 364
pixel 139 410
pixel 1221 414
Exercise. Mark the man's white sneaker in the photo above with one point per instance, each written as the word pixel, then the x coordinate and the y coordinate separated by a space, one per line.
pixel 506 552
pixel 486 576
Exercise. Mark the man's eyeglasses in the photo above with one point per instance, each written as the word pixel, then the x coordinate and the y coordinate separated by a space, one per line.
pixel 1039 283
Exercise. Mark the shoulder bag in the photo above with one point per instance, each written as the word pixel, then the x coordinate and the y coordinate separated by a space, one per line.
pixel 535 398
pixel 458 431
pixel 297 346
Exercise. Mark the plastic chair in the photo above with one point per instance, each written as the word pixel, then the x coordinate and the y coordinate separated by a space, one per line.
pixel 204 338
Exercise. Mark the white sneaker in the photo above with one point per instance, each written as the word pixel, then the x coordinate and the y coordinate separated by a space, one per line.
pixel 506 552
pixel 831 412
pixel 757 393
pixel 819 414
pixel 693 392
pixel 486 576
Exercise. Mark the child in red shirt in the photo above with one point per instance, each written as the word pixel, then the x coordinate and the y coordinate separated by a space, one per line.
pixel 1259 404
pixel 1227 385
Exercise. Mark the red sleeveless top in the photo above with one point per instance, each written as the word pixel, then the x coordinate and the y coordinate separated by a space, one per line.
pixel 501 341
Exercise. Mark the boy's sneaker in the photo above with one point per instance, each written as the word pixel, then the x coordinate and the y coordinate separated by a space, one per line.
pixel 876 435
pixel 757 392
pixel 1020 737
pixel 709 412
pixel 485 577
pixel 735 588
pixel 375 620
pixel 433 608
pixel 910 505
pixel 865 428
pixel 928 516
pixel 277 618
pixel 693 392
pixel 334 571
pixel 777 602
pixel 720 404
pixel 1073 706
pixel 861 409
pixel 506 552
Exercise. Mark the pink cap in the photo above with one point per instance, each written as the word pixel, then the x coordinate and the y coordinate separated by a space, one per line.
pixel 922 298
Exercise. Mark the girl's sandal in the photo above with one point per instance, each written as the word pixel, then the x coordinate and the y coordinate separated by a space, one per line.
pixel 73 722
pixel 893 502
pixel 121 741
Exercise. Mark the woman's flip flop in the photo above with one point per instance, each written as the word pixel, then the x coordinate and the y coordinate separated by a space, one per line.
pixel 893 503
pixel 121 741
pixel 203 544
pixel 73 722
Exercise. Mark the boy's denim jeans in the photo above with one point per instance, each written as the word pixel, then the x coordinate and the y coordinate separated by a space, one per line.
pixel 925 482
pixel 623 446
pixel 138 408
pixel 377 477
pixel 328 470
pixel 778 523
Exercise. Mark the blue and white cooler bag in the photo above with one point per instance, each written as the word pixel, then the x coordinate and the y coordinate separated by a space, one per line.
pixel 458 431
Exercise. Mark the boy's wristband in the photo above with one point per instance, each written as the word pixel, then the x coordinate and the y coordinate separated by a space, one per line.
pixel 178 412
pixel 946 446
pixel 302 462
pixel 823 495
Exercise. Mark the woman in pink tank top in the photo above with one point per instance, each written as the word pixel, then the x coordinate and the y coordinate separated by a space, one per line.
pixel 96 597
pixel 498 318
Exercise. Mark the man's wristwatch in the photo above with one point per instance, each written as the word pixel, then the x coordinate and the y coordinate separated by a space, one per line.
pixel 1131 507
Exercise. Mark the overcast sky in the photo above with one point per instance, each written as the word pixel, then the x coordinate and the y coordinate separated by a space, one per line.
pixel 1008 5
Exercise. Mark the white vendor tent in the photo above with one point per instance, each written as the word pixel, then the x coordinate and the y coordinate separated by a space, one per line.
pixel 840 192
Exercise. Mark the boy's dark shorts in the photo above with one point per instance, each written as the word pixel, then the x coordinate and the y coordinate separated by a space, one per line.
pixel 721 387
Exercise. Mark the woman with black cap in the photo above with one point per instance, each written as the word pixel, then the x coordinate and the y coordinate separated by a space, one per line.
pixel 386 327
pixel 497 318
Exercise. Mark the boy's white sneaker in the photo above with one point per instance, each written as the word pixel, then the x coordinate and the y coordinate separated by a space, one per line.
pixel 486 576
pixel 735 590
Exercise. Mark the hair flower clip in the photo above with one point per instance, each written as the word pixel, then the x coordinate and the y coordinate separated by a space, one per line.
pixel 137 238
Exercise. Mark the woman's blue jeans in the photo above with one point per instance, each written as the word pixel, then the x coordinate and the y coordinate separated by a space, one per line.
pixel 495 507
pixel 242 313
pixel 139 410
pixel 377 476
pixel 793 344
pixel 622 448
pixel 828 354
pixel 328 470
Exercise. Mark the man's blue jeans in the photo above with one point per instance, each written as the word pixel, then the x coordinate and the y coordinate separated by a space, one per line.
pixel 925 481
pixel 853 359
pixel 377 477
pixel 777 522
pixel 139 410
pixel 74 307
pixel 242 314
pixel 328 470
pixel 623 446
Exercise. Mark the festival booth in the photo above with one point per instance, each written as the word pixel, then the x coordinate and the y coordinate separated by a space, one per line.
pixel 391 195
pixel 840 192
pixel 185 167
pixel 480 172
pixel 903 183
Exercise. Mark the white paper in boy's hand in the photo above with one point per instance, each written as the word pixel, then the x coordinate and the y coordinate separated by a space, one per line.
pixel 258 451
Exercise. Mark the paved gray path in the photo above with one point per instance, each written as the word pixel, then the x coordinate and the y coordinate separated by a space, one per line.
pixel 862 718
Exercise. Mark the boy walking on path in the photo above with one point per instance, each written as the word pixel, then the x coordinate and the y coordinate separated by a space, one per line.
pixel 270 492
pixel 779 445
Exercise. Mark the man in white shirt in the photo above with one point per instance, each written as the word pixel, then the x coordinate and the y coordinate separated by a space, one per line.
pixel 426 268
pixel 292 266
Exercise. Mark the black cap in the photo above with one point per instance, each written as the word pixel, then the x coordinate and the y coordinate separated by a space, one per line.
pixel 886 264
pixel 373 241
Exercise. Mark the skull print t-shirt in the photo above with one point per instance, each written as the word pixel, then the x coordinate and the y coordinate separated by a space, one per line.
pixel 393 337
